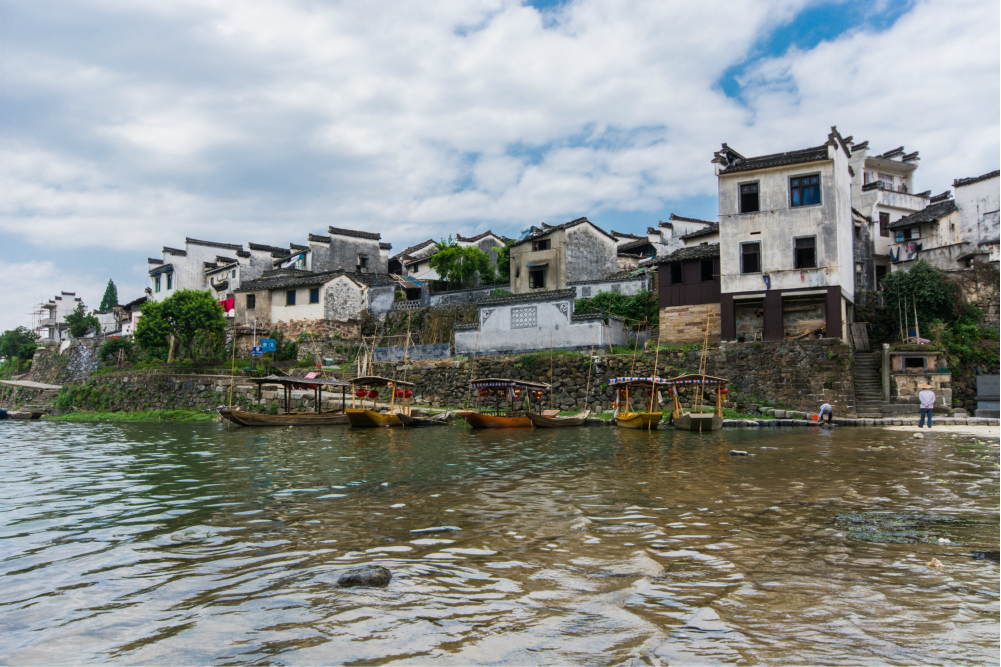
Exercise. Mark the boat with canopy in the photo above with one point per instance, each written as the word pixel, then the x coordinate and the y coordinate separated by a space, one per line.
pixel 288 385
pixel 701 387
pixel 647 388
pixel 508 391
pixel 369 387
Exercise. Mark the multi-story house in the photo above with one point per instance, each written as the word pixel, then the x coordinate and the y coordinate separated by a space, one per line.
pixel 786 256
pixel 550 257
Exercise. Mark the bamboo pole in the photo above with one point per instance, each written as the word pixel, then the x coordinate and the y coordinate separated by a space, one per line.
pixel 587 387
pixel 917 325
pixel 656 359
pixel 472 366
pixel 550 371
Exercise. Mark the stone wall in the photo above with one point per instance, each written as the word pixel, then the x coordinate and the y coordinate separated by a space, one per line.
pixel 49 366
pixel 687 324
pixel 291 331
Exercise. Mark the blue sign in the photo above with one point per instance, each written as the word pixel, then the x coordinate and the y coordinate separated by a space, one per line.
pixel 268 344
pixel 257 351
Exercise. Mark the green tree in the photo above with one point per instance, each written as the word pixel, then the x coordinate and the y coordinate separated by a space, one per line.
pixel 79 322
pixel 19 343
pixel 504 263
pixel 110 299
pixel 641 307
pixel 185 314
pixel 461 264
pixel 109 351
pixel 926 289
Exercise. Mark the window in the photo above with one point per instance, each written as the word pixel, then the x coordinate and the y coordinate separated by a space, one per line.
pixel 234 273
pixel 585 292
pixel 887 180
pixel 804 190
pixel 750 258
pixel 290 297
pixel 749 198
pixel 251 301
pixel 170 281
pixel 363 262
pixel 544 244
pixel 676 273
pixel 156 284
pixel 707 270
pixel 523 318
pixel 537 278
pixel 884 224
pixel 806 252
pixel 314 295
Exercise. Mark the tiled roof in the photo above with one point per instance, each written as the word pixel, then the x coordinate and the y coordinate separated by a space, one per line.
pixel 932 213
pixel 213 244
pixel 219 287
pixel 385 246
pixel 550 295
pixel 316 238
pixel 617 277
pixel 225 260
pixel 942 197
pixel 546 229
pixel 470 239
pixel 151 260
pixel 267 248
pixel 632 245
pixel 465 326
pixel 209 265
pixel 858 213
pixel 584 317
pixel 814 154
pixel 704 251
pixel 684 219
pixel 243 253
pixel 156 270
pixel 175 251
pixel 287 278
pixel 136 302
pixel 960 182
pixel 413 248
pixel 293 246
pixel 623 235
pixel 351 232
pixel 710 228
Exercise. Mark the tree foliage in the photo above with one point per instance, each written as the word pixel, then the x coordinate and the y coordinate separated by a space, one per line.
pixel 79 322
pixel 504 263
pixel 111 349
pixel 924 288
pixel 185 314
pixel 19 343
pixel 461 264
pixel 110 299
pixel 641 307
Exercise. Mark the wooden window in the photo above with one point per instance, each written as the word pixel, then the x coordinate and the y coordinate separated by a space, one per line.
pixel 251 301
pixel 706 267
pixel 156 284
pixel 363 262
pixel 537 278
pixel 749 198
pixel 170 281
pixel 884 224
pixel 543 244
pixel 290 297
pixel 314 295
pixel 805 252
pixel 804 190
pixel 676 273
pixel 750 258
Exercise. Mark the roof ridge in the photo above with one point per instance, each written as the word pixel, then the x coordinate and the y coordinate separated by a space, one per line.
pixel 214 244
pixel 960 182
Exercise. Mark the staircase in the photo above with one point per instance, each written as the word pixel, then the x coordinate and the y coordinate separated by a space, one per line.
pixel 868 379
pixel 40 403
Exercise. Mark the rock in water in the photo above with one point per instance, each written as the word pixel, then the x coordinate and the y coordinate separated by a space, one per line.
pixel 737 452
pixel 368 575
pixel 919 436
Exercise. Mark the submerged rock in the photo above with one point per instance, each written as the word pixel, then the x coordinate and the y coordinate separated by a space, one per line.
pixel 737 452
pixel 196 534
pixel 367 575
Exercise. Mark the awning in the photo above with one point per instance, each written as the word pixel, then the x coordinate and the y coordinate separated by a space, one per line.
pixel 535 266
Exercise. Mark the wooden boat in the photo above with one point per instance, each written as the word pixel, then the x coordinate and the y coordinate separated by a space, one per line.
pixel 24 414
pixel 698 420
pixel 288 385
pixel 544 421
pixel 244 418
pixel 648 418
pixel 510 391
pixel 362 417
pixel 409 421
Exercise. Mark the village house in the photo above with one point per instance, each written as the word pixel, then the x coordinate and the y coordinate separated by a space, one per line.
pixel 415 262
pixel 553 256
pixel 51 327
pixel 348 250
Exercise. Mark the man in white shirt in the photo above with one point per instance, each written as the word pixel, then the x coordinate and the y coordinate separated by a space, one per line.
pixel 927 398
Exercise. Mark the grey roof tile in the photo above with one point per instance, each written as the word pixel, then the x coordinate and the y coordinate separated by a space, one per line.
pixel 960 182
pixel 932 213
pixel 353 232
pixel 703 251
pixel 711 228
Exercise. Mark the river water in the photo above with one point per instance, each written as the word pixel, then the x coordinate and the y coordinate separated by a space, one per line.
pixel 194 544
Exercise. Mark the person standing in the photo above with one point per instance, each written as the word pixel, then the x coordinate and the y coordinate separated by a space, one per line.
pixel 826 407
pixel 927 398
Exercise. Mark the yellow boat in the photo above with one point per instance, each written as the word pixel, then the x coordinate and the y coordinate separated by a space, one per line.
pixel 362 417
pixel 649 418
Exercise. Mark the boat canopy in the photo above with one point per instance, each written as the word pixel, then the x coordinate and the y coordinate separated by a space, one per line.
pixel 298 383
pixel 377 381
pixel 636 381
pixel 694 378
pixel 480 383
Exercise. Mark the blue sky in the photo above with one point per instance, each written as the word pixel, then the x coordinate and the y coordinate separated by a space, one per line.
pixel 127 126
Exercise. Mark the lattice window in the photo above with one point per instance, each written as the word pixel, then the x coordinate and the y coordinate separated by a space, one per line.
pixel 616 288
pixel 585 292
pixel 523 318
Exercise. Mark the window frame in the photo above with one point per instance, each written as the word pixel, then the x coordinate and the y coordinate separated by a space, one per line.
pixel 795 252
pixel 156 284
pixel 676 266
pixel 314 292
pixel 542 245
pixel 702 270
pixel 884 225
pixel 820 193
pixel 251 302
pixel 290 297
pixel 170 281
pixel 363 261
pixel 531 278
pixel 743 253
pixel 740 196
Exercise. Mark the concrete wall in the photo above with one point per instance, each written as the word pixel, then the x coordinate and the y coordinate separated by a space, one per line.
pixel 380 298
pixel 302 310
pixel 438 352
pixel 687 324
pixel 590 255
pixel 628 286
pixel 978 211
pixel 261 311
pixel 344 300
pixel 463 296
pixel 555 257
pixel 342 254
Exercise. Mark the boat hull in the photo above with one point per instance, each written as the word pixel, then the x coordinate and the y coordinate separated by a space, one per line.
pixel 480 420
pixel 542 421
pixel 639 420
pixel 24 415
pixel 363 418
pixel 699 422
pixel 244 418
pixel 417 422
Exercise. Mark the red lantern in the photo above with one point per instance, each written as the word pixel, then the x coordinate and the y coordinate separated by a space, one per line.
pixel 724 391
pixel 399 393
pixel 373 394
pixel 484 392
pixel 360 393
pixel 409 394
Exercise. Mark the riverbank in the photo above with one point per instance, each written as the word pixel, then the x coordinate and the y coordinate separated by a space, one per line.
pixel 140 416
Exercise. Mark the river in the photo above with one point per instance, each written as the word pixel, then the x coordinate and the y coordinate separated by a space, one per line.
pixel 194 544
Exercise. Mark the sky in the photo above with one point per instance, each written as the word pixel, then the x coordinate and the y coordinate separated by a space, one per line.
pixel 126 126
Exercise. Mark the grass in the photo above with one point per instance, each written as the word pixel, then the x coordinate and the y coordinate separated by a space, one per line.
pixel 140 416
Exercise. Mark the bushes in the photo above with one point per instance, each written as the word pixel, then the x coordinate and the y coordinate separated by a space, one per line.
pixel 111 350
pixel 641 307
